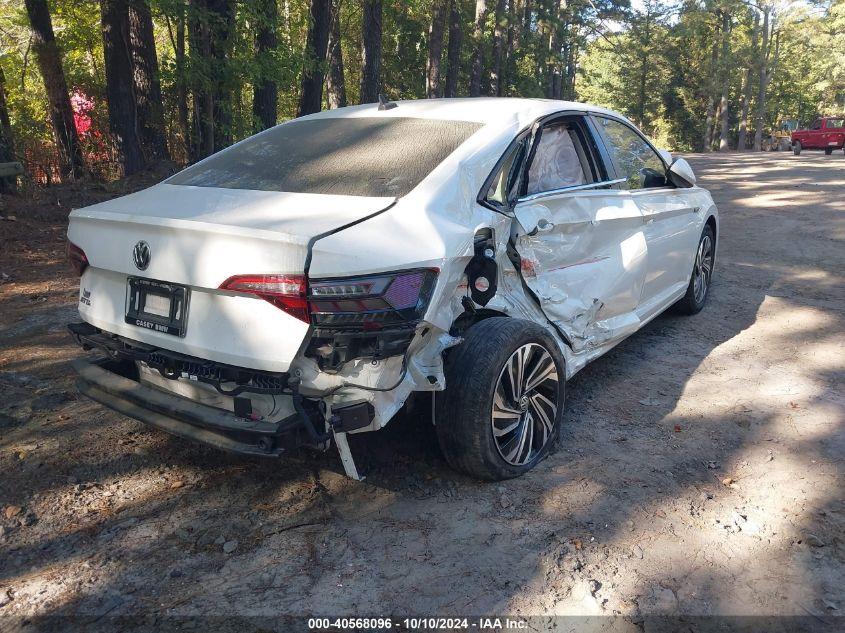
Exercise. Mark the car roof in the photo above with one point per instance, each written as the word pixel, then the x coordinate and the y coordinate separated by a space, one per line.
pixel 486 110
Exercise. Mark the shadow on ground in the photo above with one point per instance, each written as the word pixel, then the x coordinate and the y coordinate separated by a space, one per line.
pixel 700 472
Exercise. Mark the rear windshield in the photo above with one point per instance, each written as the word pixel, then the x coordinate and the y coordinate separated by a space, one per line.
pixel 378 157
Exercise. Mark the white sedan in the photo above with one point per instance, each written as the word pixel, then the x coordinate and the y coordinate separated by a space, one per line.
pixel 302 284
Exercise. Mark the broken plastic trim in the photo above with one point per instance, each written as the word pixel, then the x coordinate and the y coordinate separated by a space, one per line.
pixel 173 365
pixel 309 255
pixel 114 383
pixel 482 270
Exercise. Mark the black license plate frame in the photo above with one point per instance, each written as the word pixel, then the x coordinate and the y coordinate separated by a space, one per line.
pixel 137 291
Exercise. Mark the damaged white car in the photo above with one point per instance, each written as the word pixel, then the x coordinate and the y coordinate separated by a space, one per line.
pixel 302 284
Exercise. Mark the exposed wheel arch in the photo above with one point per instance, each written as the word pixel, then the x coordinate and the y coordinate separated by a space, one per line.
pixel 711 220
pixel 467 319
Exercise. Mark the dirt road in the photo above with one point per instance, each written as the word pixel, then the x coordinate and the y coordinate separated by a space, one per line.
pixel 701 473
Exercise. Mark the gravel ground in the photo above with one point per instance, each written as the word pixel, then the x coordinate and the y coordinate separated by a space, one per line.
pixel 701 473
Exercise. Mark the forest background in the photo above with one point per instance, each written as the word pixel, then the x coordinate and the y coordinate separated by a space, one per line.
pixel 104 89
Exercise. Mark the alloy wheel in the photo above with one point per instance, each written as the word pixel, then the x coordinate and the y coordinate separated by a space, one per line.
pixel 703 268
pixel 525 404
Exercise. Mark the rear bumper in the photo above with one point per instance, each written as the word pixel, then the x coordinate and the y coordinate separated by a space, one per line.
pixel 112 384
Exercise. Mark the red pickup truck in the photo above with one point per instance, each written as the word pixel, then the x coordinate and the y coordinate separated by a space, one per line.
pixel 827 133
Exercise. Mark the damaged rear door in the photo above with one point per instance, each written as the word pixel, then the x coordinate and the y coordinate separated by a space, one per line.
pixel 582 245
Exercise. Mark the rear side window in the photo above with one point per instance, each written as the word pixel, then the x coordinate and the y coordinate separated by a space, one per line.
pixel 835 123
pixel 372 156
pixel 503 185
pixel 634 159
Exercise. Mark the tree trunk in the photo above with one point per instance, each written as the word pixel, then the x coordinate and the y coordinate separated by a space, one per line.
pixel 709 121
pixel 177 40
pixel 221 28
pixel 644 71
pixel 210 34
pixel 717 115
pixel 554 69
pixel 50 64
pixel 571 64
pixel 120 87
pixel 527 13
pixel 265 93
pixel 203 104
pixel 726 81
pixel 478 45
pixel 371 51
pixel 7 145
pixel 743 114
pixel 746 88
pixel 150 107
pixel 761 88
pixel 435 49
pixel 510 43
pixel 499 32
pixel 335 80
pixel 453 54
pixel 316 46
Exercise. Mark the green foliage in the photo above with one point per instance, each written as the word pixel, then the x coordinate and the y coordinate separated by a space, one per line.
pixel 654 63
pixel 806 61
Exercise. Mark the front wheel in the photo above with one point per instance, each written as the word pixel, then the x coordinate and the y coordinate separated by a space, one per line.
pixel 796 148
pixel 702 274
pixel 503 404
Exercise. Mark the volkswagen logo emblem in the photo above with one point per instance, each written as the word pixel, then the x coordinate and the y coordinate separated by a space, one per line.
pixel 141 255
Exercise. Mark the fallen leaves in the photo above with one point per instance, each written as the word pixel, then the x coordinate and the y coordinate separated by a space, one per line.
pixel 12 511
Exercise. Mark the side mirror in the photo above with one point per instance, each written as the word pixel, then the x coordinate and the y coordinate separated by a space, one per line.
pixel 680 174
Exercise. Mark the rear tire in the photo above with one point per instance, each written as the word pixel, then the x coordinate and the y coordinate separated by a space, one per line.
pixel 702 274
pixel 503 405
pixel 796 148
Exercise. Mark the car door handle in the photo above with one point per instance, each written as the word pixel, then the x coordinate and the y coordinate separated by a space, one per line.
pixel 649 221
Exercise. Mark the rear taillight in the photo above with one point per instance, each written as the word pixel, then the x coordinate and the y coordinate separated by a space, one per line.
pixel 286 292
pixel 77 258
pixel 370 302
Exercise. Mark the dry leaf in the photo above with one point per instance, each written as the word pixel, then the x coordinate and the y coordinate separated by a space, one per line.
pixel 12 511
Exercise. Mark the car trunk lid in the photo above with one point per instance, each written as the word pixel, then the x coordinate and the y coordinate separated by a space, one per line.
pixel 201 236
